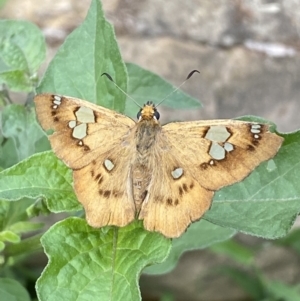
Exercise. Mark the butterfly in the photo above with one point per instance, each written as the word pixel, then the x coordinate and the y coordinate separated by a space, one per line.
pixel 164 175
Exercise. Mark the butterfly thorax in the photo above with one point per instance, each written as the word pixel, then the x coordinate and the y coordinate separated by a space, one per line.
pixel 146 133
pixel 147 129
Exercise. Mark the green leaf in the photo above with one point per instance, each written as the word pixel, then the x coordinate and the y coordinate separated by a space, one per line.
pixel 89 51
pixel 97 264
pixel 11 290
pixel 19 126
pixel 13 212
pixel 40 175
pixel 8 153
pixel 39 207
pixel 26 246
pixel 25 226
pixel 9 236
pixel 17 80
pixel 267 202
pixel 199 235
pixel 22 50
pixel 145 85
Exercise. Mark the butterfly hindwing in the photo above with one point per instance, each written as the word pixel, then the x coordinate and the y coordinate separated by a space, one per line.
pixel 104 189
pixel 175 198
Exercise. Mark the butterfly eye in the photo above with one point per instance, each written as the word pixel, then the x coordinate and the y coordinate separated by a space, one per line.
pixel 156 115
pixel 139 114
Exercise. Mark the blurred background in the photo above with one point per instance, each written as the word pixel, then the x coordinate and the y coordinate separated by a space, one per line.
pixel 248 53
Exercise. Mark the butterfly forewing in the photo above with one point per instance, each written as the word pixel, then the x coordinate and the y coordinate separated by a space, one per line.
pixel 221 152
pixel 82 130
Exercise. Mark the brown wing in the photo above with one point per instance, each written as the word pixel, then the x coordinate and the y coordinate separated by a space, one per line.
pixel 82 130
pixel 197 159
pixel 223 152
pixel 104 189
pixel 97 144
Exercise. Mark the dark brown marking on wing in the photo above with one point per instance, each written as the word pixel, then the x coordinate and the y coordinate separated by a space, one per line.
pixel 86 148
pixel 107 193
pixel 205 131
pixel 180 190
pixel 116 193
pixel 171 202
pixel 204 165
pixel 251 148
pixel 76 109
pixel 230 132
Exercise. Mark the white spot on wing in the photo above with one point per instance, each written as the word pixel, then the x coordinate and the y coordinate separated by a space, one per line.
pixel 57 101
pixel 72 124
pixel 228 147
pixel 79 132
pixel 216 151
pixel 85 115
pixel 109 165
pixel 177 173
pixel 254 131
pixel 217 133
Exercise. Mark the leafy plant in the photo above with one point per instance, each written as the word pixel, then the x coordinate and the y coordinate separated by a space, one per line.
pixel 105 264
pixel 22 50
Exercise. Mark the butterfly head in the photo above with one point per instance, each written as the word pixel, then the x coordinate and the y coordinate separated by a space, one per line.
pixel 148 112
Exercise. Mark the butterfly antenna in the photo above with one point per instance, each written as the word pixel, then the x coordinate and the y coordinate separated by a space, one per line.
pixel 110 78
pixel 187 78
